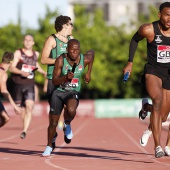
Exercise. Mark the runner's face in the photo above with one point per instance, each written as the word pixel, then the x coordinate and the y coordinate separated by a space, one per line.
pixel 165 17
pixel 74 51
pixel 69 27
pixel 28 42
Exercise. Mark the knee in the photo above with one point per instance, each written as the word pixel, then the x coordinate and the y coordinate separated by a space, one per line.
pixel 157 103
pixel 53 123
pixel 3 120
pixel 71 112
pixel 164 118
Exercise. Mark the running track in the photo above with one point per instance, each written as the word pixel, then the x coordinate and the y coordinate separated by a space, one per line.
pixel 98 144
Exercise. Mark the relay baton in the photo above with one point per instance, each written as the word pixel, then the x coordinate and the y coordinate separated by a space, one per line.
pixel 126 76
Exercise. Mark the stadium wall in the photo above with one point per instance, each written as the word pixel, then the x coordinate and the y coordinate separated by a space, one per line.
pixel 101 108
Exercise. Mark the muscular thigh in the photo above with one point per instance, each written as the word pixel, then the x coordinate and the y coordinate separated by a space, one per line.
pixel 165 104
pixel 153 86
pixel 72 104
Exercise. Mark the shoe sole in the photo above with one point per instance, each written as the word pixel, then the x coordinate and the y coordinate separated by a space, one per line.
pixel 22 136
pixel 160 154
pixel 67 140
pixel 46 155
pixel 140 115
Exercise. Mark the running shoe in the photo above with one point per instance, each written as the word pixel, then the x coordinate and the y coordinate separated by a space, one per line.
pixel 68 135
pixel 145 137
pixel 47 151
pixel 23 135
pixel 142 113
pixel 53 141
pixel 167 150
pixel 159 152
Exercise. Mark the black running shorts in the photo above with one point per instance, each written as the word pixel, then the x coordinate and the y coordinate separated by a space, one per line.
pixel 50 88
pixel 161 72
pixel 60 98
pixel 22 93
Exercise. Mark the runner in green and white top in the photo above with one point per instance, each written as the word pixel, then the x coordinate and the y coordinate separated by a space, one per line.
pixel 54 46
pixel 67 83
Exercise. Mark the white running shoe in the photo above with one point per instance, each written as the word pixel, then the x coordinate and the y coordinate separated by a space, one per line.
pixel 159 152
pixel 145 137
pixel 142 113
pixel 47 151
pixel 167 150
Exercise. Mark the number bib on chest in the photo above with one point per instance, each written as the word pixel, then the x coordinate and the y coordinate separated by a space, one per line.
pixel 163 54
pixel 70 85
pixel 28 69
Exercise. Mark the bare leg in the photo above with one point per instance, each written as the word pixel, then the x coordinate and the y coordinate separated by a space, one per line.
pixel 53 122
pixel 155 91
pixel 28 114
pixel 4 118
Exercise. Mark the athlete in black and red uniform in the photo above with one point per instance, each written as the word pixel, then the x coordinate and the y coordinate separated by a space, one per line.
pixel 22 68
pixel 156 71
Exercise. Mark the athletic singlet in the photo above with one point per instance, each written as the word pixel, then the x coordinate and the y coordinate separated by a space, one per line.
pixel 158 50
pixel 75 83
pixel 27 64
pixel 56 52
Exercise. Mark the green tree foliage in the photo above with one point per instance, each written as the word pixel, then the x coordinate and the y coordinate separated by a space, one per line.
pixel 110 44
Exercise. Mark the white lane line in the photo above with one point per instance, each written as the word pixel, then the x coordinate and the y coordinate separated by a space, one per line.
pixel 47 160
pixel 137 144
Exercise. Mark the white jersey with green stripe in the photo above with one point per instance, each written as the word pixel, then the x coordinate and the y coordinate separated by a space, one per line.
pixel 75 83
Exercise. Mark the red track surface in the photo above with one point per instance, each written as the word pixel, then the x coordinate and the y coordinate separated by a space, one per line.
pixel 98 144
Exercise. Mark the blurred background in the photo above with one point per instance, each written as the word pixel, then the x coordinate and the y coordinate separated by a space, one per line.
pixel 103 25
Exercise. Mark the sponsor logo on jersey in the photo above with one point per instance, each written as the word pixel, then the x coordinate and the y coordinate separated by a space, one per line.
pixel 158 39
pixel 80 67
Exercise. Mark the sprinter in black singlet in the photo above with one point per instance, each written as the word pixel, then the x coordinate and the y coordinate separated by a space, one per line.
pixel 156 72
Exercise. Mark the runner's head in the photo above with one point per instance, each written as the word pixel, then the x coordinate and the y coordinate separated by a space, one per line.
pixel 164 15
pixel 73 49
pixel 7 57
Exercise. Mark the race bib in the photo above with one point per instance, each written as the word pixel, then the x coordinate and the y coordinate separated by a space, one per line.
pixel 163 54
pixel 28 69
pixel 70 85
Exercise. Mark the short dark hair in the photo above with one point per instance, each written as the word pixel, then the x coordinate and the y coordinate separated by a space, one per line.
pixel 164 5
pixel 60 21
pixel 73 40
pixel 7 57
